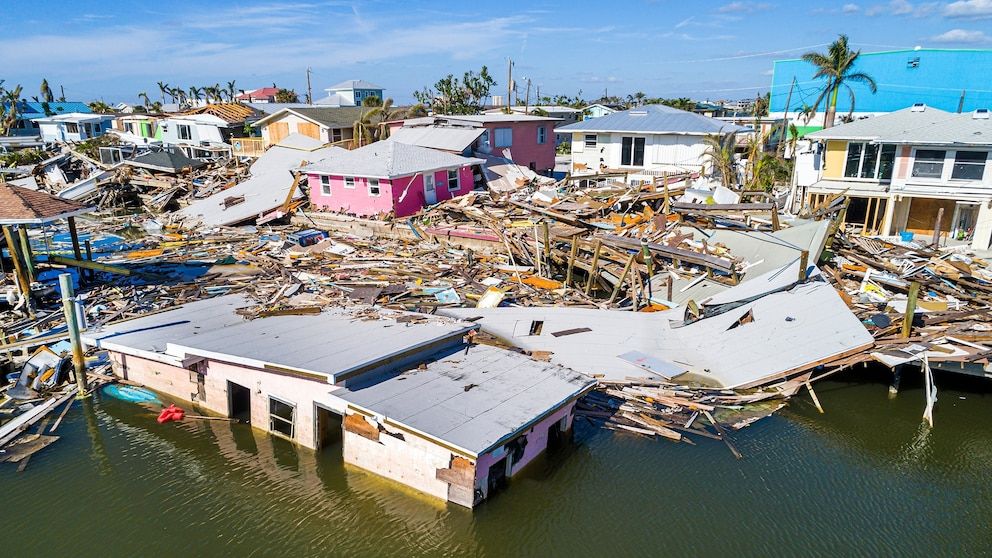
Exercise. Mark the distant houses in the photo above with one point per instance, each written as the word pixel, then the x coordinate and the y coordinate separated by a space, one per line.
pixel 388 177
pixel 902 170
pixel 326 123
pixel 29 111
pixel 261 95
pixel 73 127
pixel 350 93
pixel 645 142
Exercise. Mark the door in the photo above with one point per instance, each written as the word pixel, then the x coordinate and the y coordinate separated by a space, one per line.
pixel 278 132
pixel 327 427
pixel 309 129
pixel 239 402
pixel 430 190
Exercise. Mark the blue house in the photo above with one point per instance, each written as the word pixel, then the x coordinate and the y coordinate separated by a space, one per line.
pixel 29 111
pixel 951 80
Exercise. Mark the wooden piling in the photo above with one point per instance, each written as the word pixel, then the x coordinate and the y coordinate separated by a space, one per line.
pixel 72 323
pixel 22 232
pixel 22 278
pixel 803 265
pixel 907 322
pixel 571 260
pixel 936 227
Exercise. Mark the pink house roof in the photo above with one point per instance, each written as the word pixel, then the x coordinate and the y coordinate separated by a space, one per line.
pixel 258 93
pixel 389 159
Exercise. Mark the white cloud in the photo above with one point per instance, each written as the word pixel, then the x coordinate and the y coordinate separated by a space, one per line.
pixel 850 8
pixel 903 8
pixel 743 7
pixel 962 36
pixel 969 8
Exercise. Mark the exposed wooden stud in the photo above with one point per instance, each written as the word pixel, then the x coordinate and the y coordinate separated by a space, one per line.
pixel 593 272
pixel 623 275
pixel 907 322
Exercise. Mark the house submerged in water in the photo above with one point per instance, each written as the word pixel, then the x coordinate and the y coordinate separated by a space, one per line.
pixel 408 395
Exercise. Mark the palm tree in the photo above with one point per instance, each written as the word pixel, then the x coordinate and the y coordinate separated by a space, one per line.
pixel 720 154
pixel 9 108
pixel 231 91
pixel 195 93
pixel 46 92
pixel 164 88
pixel 101 107
pixel 144 97
pixel 639 98
pixel 371 124
pixel 837 66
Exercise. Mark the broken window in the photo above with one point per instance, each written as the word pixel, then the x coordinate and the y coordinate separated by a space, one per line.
pixel 281 417
pixel 184 131
pixel 72 128
pixel 535 327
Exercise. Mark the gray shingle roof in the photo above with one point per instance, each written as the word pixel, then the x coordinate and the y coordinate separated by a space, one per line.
pixel 332 117
pixel 447 139
pixel 389 159
pixel 653 119
pixel 885 125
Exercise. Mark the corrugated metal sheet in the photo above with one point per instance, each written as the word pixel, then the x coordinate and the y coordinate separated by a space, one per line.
pixel 653 119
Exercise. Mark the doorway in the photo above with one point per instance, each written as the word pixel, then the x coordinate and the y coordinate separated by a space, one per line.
pixel 497 477
pixel 239 402
pixel 430 192
pixel 327 428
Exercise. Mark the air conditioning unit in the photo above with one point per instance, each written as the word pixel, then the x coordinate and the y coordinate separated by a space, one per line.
pixel 981 114
pixel 919 107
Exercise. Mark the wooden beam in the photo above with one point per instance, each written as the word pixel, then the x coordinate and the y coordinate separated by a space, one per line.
pixel 21 273
pixel 83 264
pixel 593 270
pixel 907 322
pixel 664 251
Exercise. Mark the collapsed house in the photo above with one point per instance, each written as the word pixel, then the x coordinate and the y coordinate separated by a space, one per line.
pixel 415 402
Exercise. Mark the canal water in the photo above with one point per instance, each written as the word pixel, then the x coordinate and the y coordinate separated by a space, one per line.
pixel 864 479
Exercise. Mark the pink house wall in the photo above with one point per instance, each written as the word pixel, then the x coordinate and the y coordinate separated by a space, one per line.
pixel 903 163
pixel 525 149
pixel 357 201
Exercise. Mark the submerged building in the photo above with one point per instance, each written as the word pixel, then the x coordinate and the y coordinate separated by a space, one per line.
pixel 406 393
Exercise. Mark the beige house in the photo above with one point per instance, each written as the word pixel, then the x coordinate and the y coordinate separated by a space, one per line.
pixel 328 124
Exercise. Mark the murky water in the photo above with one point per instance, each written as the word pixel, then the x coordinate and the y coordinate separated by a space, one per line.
pixel 864 479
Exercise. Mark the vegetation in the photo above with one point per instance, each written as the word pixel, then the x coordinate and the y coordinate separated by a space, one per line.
pixel 837 66
pixel 91 147
pixel 189 96
pixel 371 124
pixel 287 96
pixel 452 95
pixel 101 107
pixel 720 154
pixel 21 157
pixel 9 107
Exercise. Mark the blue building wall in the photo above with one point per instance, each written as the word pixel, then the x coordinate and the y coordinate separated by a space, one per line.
pixel 904 77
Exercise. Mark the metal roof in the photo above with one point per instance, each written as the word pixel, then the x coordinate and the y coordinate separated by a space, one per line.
pixel 474 399
pixel 353 84
pixel 332 117
pixel 389 159
pixel 330 344
pixel 653 119
pixel 438 137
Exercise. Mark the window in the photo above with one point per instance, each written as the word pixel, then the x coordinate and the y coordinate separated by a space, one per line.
pixel 374 190
pixel 129 127
pixel 590 140
pixel 453 182
pixel 542 134
pixel 325 185
pixel 484 142
pixel 928 163
pixel 869 160
pixel 504 137
pixel 337 134
pixel 72 128
pixel 349 182
pixel 969 165
pixel 184 132
pixel 632 152
pixel 96 127
pixel 281 416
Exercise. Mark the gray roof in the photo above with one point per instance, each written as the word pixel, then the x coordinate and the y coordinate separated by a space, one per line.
pixel 165 161
pixel 438 137
pixel 388 159
pixel 653 119
pixel 474 400
pixel 272 108
pixel 353 84
pixel 332 117
pixel 889 125
pixel 331 344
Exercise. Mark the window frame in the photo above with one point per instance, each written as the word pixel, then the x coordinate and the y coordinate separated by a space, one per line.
pixel 71 128
pixel 590 145
pixel 880 151
pixel 507 135
pixel 187 128
pixel 325 185
pixel 542 135
pixel 349 180
pixel 917 160
pixel 273 416
pixel 955 164
pixel 631 162
pixel 377 186
pixel 457 178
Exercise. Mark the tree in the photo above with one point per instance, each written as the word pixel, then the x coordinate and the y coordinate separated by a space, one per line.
pixel 761 105
pixel 837 66
pixel 10 100
pixel 287 96
pixel 719 153
pixel 101 107
pixel 451 95
pixel 371 124
pixel 145 100
pixel 195 93
pixel 163 88
pixel 46 92
pixel 232 91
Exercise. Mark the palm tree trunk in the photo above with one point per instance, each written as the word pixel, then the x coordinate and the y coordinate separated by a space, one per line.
pixel 831 114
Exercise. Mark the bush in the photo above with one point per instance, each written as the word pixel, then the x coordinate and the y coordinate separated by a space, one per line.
pixel 21 157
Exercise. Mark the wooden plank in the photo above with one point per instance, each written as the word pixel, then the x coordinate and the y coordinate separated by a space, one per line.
pixel 671 253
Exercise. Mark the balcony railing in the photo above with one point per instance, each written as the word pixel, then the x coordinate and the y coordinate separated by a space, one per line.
pixel 247 147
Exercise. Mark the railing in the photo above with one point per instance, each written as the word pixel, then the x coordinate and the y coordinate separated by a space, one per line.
pixel 247 147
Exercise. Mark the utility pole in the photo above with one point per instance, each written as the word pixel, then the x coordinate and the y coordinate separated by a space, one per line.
pixel 72 323
pixel 961 102
pixel 62 89
pixel 527 98
pixel 509 82
pixel 785 117
pixel 309 89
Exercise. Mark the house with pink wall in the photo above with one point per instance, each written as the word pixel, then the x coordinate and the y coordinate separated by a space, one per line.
pixel 409 400
pixel 389 177
pixel 528 140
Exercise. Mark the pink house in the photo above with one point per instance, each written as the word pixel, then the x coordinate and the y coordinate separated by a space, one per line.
pixel 389 177
pixel 529 139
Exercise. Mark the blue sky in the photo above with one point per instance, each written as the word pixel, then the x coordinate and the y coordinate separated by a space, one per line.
pixel 693 48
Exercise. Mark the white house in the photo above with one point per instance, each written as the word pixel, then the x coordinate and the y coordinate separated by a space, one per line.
pixel 350 93
pixel 204 133
pixel 646 142
pixel 74 126
pixel 901 170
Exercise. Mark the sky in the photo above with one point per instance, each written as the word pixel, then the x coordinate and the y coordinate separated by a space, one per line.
pixel 666 48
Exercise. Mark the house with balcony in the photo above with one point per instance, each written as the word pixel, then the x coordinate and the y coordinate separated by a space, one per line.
pixel 389 177
pixel 902 170
pixel 644 143
pixel 205 132
pixel 73 127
